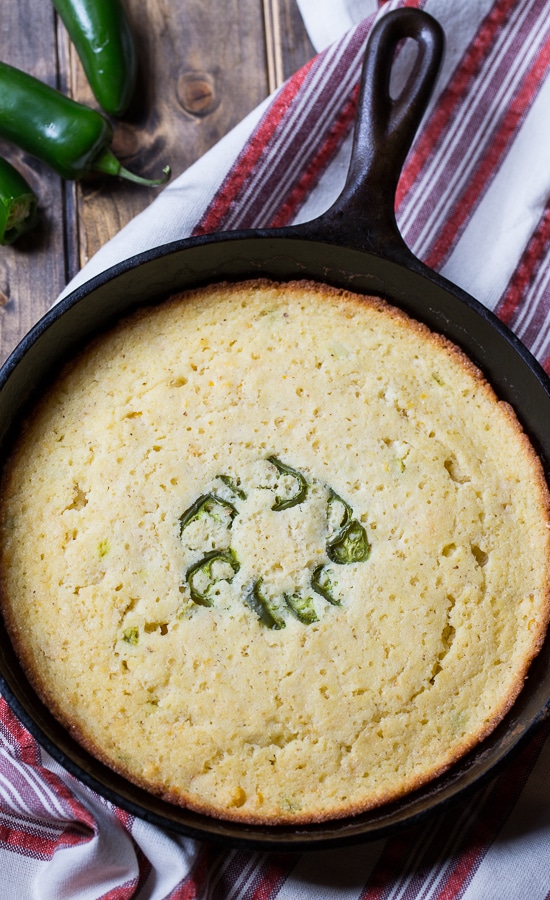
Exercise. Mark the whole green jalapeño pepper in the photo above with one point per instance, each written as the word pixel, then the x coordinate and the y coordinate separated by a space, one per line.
pixel 70 137
pixel 18 204
pixel 101 34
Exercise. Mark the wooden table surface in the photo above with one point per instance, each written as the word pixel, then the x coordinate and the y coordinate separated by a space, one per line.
pixel 204 64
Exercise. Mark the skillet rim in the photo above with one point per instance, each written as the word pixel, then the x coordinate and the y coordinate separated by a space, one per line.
pixel 393 127
pixel 380 822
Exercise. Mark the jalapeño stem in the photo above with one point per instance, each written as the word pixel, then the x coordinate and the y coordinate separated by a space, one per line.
pixel 108 164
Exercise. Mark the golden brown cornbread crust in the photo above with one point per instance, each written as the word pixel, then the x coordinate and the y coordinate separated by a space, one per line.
pixel 209 706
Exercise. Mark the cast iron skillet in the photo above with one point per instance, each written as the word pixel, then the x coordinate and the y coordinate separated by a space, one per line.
pixel 354 245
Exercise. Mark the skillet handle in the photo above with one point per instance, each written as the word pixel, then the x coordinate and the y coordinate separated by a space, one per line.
pixel 363 216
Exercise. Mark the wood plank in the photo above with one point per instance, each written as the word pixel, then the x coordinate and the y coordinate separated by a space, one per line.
pixel 32 272
pixel 288 45
pixel 201 73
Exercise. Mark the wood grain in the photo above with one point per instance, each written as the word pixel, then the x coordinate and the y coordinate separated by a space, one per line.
pixel 200 73
pixel 33 271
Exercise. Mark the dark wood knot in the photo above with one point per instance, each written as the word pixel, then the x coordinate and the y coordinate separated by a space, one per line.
pixel 197 93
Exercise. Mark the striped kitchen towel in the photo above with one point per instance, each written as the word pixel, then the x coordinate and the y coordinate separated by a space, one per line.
pixel 472 202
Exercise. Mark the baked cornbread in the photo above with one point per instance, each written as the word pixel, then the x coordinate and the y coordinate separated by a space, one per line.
pixel 275 552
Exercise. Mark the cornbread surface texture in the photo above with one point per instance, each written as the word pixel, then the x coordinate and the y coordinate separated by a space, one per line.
pixel 275 552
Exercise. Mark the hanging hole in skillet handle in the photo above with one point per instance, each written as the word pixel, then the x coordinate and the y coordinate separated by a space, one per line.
pixel 363 216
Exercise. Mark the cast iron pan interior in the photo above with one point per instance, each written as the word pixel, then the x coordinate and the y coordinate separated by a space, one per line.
pixel 354 245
